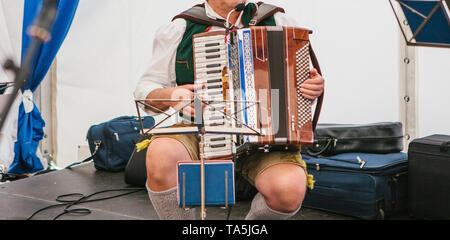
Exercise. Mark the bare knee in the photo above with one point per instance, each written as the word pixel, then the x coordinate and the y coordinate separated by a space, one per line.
pixel 161 161
pixel 283 187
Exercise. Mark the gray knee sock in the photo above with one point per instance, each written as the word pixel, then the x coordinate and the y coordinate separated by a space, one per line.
pixel 260 211
pixel 166 205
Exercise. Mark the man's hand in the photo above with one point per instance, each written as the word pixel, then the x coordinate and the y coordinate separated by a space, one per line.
pixel 313 87
pixel 184 92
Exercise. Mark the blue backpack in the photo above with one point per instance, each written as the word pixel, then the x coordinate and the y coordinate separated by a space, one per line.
pixel 111 143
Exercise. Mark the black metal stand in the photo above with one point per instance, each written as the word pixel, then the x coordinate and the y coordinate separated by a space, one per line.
pixel 21 76
pixel 40 33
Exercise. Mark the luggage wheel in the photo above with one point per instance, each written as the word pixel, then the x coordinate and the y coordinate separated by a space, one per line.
pixel 380 215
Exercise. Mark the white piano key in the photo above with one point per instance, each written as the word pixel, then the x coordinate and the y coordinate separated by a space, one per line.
pixel 209 71
pixel 215 38
pixel 215 75
pixel 208 149
pixel 215 154
pixel 203 59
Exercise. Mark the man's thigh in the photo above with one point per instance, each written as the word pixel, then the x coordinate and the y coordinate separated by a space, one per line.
pixel 258 162
pixel 189 141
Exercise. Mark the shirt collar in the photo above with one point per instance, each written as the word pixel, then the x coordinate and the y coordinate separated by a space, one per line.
pixel 212 14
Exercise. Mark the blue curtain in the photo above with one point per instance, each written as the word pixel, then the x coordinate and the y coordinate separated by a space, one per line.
pixel 30 124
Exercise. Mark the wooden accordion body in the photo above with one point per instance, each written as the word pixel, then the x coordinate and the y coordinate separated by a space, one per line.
pixel 254 74
pixel 281 61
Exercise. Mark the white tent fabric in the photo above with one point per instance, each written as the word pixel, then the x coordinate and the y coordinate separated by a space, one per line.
pixel 110 44
pixel 11 15
pixel 100 62
pixel 357 43
pixel 433 91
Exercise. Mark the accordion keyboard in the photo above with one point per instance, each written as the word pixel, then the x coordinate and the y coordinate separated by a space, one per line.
pixel 210 60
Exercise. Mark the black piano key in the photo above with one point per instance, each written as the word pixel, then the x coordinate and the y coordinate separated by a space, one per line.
pixel 213 56
pixel 212 50
pixel 216 108
pixel 214 81
pixel 217 124
pixel 212 44
pixel 213 65
pixel 218 145
pixel 213 71
pixel 217 139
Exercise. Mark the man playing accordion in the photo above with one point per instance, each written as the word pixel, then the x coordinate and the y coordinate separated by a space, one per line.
pixel 279 176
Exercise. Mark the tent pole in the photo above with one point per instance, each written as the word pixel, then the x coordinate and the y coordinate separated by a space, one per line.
pixel 408 94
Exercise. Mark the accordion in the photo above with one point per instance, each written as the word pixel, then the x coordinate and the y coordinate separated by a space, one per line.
pixel 252 80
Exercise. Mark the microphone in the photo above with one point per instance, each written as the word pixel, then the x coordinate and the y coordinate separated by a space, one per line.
pixel 43 24
pixel 238 8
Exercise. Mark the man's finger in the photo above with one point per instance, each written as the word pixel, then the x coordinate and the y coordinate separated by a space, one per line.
pixel 188 111
pixel 310 92
pixel 315 80
pixel 314 87
pixel 314 72
pixel 309 97
pixel 192 87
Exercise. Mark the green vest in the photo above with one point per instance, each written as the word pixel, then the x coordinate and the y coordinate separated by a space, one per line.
pixel 184 65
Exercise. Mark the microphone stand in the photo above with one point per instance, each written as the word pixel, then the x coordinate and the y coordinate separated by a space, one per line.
pixel 40 33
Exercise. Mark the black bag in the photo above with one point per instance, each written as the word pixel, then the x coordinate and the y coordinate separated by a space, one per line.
pixel 111 143
pixel 429 177
pixel 331 139
pixel 362 185
pixel 135 171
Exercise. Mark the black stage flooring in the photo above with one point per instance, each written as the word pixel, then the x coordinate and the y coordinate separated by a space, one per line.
pixel 20 199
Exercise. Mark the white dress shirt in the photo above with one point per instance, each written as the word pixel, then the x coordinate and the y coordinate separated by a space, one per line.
pixel 161 71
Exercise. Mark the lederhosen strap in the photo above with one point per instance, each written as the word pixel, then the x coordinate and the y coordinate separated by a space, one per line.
pixel 320 98
pixel 198 14
pixel 264 11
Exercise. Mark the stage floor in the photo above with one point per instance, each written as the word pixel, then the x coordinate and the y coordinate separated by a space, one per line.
pixel 20 199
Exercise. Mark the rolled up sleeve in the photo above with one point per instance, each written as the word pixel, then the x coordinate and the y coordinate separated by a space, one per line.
pixel 160 73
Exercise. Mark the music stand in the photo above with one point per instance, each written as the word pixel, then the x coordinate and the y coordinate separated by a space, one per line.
pixel 423 22
pixel 198 128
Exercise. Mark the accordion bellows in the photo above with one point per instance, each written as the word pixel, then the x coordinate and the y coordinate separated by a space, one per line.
pixel 255 77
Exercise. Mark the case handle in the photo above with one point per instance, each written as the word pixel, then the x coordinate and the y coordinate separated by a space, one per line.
pixel 445 146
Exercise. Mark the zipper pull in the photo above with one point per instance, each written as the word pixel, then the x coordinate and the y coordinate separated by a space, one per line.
pixel 335 141
pixel 117 136
pixel 317 167
pixel 360 162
